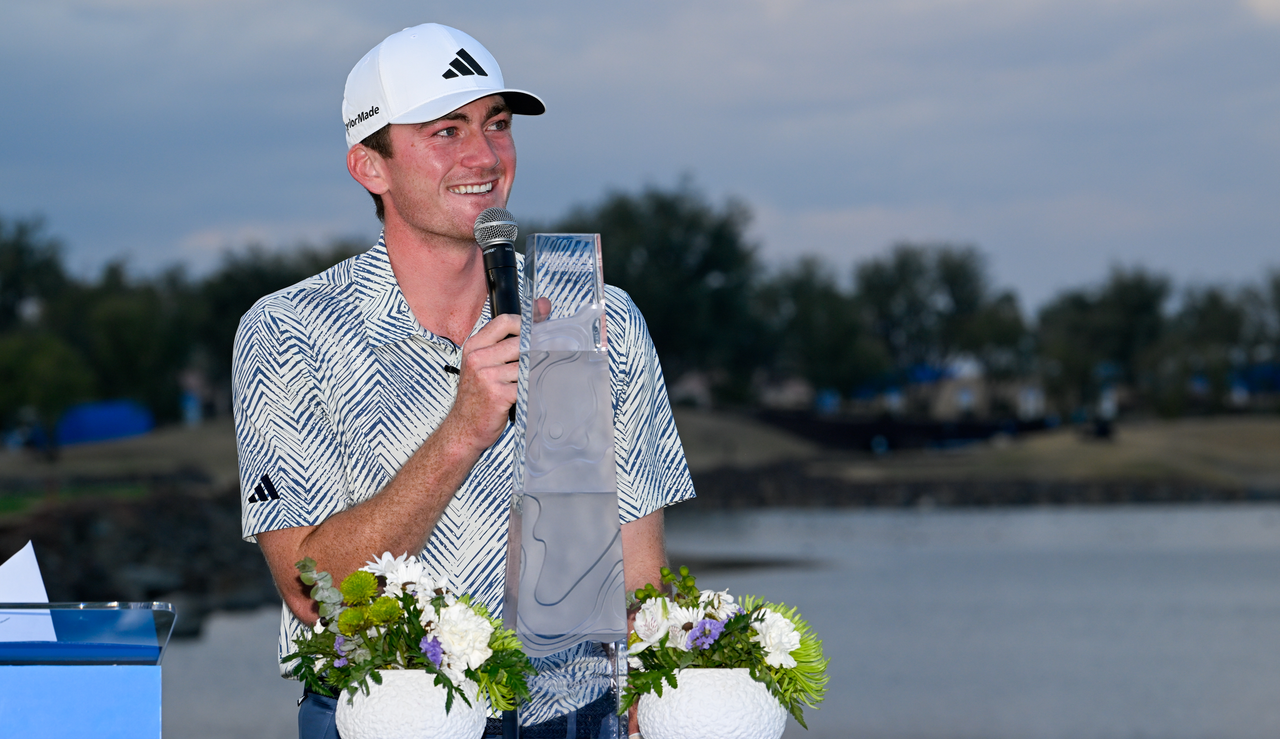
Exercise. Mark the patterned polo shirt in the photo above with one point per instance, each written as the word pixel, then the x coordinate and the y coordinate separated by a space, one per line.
pixel 335 385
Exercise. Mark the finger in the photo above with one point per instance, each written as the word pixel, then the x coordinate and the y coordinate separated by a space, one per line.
pixel 499 328
pixel 502 352
pixel 507 323
pixel 494 332
pixel 541 310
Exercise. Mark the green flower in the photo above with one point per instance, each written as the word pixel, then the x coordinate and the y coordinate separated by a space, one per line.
pixel 385 610
pixel 354 620
pixel 359 588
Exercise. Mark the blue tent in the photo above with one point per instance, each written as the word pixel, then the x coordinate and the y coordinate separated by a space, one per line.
pixel 109 419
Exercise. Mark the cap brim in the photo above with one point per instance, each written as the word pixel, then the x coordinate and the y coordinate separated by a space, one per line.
pixel 521 102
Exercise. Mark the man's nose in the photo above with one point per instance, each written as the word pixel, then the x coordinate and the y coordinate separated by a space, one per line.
pixel 480 153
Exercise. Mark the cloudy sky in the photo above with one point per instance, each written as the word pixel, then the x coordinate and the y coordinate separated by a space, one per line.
pixel 1059 136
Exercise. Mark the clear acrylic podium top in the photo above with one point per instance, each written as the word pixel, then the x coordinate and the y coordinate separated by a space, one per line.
pixel 114 633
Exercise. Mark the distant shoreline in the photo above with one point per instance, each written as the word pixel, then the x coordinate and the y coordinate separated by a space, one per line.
pixel 795 484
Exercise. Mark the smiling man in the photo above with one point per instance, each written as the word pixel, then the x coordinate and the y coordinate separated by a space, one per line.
pixel 371 400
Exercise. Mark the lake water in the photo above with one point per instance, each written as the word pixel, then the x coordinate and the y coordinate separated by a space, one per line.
pixel 1026 624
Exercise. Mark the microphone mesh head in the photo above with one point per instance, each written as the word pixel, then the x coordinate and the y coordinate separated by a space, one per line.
pixel 496 225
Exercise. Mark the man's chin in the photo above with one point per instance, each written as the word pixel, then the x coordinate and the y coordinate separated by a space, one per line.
pixel 474 205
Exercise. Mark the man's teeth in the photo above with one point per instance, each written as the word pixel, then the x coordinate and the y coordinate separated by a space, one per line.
pixel 469 189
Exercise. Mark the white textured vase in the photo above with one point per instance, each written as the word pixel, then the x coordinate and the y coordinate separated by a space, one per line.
pixel 408 705
pixel 712 704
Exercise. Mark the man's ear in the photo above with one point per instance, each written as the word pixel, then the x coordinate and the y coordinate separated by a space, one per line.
pixel 366 166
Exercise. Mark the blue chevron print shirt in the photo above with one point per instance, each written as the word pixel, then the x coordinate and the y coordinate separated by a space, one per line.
pixel 335 385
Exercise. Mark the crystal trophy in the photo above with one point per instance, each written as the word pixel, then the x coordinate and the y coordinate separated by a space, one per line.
pixel 565 592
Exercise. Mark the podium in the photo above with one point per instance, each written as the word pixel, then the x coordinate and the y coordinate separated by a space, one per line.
pixel 100 679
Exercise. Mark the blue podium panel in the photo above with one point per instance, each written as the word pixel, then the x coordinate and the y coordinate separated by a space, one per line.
pixel 100 678
pixel 80 701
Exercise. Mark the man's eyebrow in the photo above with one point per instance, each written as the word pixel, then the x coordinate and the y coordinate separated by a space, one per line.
pixel 498 109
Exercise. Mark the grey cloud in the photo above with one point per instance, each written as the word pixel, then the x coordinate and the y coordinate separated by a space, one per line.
pixel 1088 129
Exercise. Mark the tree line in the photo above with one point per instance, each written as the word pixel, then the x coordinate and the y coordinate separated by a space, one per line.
pixel 711 307
pixel 901 317
pixel 65 340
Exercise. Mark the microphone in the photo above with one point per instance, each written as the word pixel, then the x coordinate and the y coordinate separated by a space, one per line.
pixel 496 232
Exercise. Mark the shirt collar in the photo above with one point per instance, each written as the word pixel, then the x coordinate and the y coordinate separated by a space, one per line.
pixel 387 317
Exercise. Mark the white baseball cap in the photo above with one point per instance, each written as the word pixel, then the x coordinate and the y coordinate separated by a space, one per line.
pixel 420 74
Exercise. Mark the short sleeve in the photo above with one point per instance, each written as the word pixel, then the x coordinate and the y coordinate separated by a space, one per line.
pixel 652 471
pixel 291 472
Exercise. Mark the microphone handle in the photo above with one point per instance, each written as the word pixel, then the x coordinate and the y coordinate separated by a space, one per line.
pixel 504 295
pixel 500 271
pixel 504 292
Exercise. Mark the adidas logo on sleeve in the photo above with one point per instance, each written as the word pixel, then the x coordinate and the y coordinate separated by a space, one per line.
pixel 264 491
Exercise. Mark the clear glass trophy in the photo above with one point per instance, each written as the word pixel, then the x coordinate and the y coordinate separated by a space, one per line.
pixel 565 592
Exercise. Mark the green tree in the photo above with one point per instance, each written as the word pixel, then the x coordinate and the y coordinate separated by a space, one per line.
pixel 1204 340
pixel 40 376
pixel 134 335
pixel 817 329
pixel 688 266
pixel 898 294
pixel 930 303
pixel 1090 338
pixel 31 271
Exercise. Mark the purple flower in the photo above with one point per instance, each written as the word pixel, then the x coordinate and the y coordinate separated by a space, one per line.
pixel 704 633
pixel 340 662
pixel 338 641
pixel 431 647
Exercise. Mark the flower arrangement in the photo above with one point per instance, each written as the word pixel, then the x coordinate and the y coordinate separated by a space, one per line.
pixel 689 627
pixel 392 615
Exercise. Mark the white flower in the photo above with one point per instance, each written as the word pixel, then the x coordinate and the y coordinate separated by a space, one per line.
pixel 634 663
pixel 651 623
pixel 415 576
pixel 680 622
pixel 718 604
pixel 464 636
pixel 778 636
pixel 411 576
pixel 425 594
pixel 386 565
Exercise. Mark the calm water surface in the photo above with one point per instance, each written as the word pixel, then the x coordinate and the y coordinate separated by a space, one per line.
pixel 1042 623
pixel 1022 624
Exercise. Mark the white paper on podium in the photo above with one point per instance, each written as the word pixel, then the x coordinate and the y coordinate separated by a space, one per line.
pixel 20 582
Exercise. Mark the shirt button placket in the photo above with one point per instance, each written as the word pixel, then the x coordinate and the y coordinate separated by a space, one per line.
pixel 453 358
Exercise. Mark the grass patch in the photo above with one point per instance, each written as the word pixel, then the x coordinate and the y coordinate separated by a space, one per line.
pixel 12 504
pixel 22 500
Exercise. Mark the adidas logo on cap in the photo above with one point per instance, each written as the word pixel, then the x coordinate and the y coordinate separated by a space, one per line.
pixel 464 64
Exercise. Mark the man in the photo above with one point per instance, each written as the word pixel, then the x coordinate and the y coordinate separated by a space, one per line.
pixel 371 400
